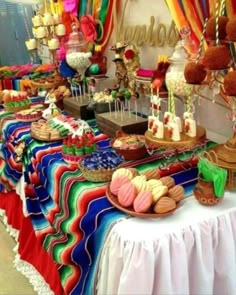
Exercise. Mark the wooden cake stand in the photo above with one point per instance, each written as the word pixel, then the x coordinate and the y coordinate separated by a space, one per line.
pixel 167 143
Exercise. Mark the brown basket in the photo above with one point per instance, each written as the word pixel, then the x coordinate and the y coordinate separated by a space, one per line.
pixel 101 175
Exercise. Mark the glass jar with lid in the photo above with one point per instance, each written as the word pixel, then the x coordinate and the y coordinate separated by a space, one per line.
pixel 184 52
pixel 77 54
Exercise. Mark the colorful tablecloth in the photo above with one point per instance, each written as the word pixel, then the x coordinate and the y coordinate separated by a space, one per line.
pixel 71 217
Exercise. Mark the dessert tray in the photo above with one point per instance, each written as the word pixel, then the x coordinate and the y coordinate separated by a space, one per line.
pixel 114 201
pixel 40 130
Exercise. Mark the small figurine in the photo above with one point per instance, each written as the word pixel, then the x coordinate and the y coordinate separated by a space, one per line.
pixel 131 59
pixel 19 150
pixel 121 73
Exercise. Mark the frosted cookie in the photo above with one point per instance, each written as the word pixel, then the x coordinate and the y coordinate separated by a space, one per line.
pixel 164 205
pixel 117 182
pixel 143 202
pixel 152 174
pixel 176 193
pixel 159 192
pixel 168 181
pixel 126 195
pixel 153 183
pixel 124 172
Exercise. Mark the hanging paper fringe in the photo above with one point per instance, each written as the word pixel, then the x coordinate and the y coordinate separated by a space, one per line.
pixel 194 13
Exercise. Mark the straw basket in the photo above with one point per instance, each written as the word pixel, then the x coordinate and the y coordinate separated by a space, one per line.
pixel 101 175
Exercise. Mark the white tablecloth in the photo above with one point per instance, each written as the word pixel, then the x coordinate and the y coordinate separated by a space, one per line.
pixel 192 251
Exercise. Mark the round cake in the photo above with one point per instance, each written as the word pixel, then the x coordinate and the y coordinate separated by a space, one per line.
pixel 217 57
pixel 211 27
pixel 231 29
pixel 194 73
pixel 230 83
pixel 28 115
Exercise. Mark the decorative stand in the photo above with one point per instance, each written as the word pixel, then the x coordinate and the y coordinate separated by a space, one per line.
pixel 167 143
pixel 109 123
pixel 77 108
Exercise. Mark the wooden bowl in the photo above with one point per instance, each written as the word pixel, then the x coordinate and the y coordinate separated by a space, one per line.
pixel 131 153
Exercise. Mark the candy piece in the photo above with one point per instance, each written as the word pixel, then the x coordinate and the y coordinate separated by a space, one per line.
pixel 168 181
pixel 176 193
pixel 151 174
pixel 153 183
pixel 122 171
pixel 159 192
pixel 126 195
pixel 117 182
pixel 143 202
pixel 164 205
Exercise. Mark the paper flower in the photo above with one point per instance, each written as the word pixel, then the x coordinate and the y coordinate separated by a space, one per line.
pixel 88 28
pixel 129 54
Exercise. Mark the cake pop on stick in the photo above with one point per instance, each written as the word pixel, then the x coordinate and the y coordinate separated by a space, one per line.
pixel 114 96
pixel 127 95
pixel 121 99
pixel 80 92
pixel 136 96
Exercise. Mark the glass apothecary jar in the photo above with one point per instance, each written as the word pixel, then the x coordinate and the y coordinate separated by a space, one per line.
pixel 184 52
pixel 175 80
pixel 77 53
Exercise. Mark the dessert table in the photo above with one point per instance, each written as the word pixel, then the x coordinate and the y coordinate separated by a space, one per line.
pixel 190 252
pixel 63 221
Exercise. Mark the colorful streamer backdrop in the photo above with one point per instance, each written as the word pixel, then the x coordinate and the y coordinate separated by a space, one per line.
pixel 194 12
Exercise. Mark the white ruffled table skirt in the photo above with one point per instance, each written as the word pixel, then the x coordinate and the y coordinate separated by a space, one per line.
pixel 192 251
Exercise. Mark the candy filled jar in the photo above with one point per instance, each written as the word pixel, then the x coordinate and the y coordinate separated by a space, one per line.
pixel 77 53
pixel 184 52
pixel 175 80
